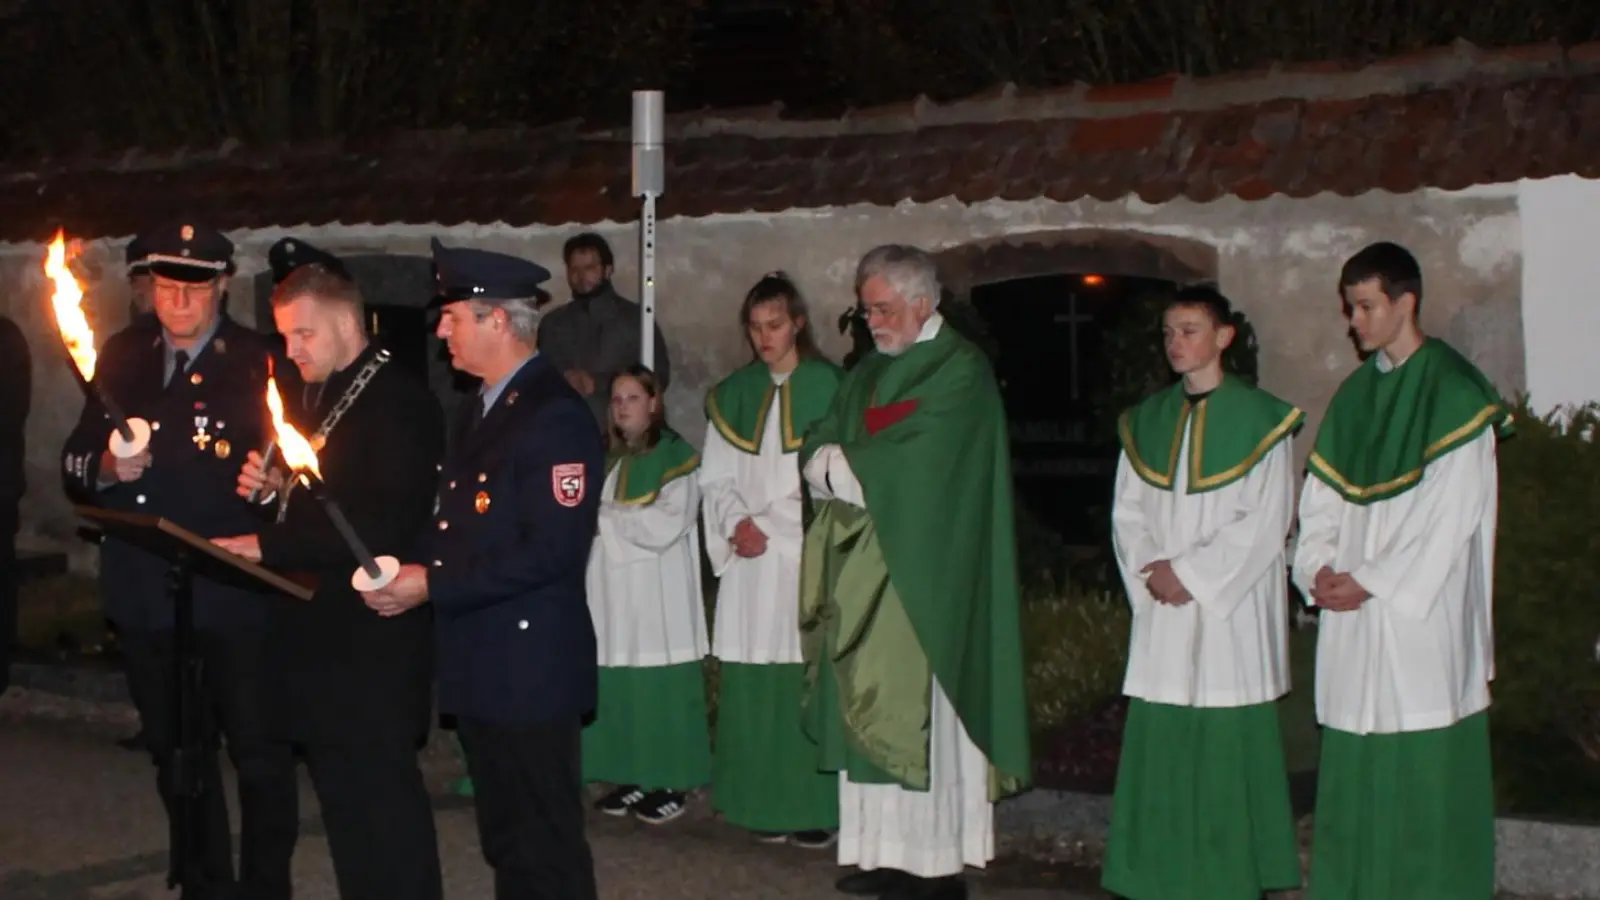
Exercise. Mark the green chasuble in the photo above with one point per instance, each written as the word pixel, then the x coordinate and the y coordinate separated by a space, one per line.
pixel 921 583
pixel 737 407
pixel 1230 430
pixel 1383 428
pixel 644 474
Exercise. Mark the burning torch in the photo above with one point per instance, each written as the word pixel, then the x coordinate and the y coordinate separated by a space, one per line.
pixel 373 573
pixel 129 437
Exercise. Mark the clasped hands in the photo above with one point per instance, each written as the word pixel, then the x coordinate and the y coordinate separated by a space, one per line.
pixel 1337 591
pixel 1164 585
pixel 123 470
pixel 748 540
pixel 581 381
pixel 408 590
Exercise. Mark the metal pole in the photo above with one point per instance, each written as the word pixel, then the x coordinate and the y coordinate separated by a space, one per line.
pixel 647 283
pixel 649 175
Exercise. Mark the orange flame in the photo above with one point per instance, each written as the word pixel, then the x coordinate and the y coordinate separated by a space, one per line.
pixel 67 301
pixel 295 449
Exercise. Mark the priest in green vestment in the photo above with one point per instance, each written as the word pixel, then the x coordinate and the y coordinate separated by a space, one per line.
pixel 1203 501
pixel 909 605
pixel 1396 549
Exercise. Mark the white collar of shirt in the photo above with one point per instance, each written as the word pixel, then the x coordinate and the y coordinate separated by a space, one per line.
pixel 1387 364
pixel 930 328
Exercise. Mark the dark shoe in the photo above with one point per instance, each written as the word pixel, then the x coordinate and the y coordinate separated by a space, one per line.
pixel 873 881
pixel 814 840
pixel 950 887
pixel 620 801
pixel 660 807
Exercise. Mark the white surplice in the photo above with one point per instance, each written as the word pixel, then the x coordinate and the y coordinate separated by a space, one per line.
pixel 1419 654
pixel 926 833
pixel 758 599
pixel 1229 647
pixel 644 578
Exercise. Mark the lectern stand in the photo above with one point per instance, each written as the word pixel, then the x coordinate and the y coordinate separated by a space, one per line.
pixel 187 555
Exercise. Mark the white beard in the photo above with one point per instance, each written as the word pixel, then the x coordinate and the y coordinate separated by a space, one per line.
pixel 894 350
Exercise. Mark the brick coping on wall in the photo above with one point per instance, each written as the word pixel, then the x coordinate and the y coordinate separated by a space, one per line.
pixel 1448 117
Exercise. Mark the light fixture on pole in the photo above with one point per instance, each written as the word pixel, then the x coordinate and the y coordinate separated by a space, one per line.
pixel 649 178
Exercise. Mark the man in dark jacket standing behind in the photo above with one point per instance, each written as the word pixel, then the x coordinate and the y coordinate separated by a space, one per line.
pixel 351 688
pixel 503 569
pixel 596 334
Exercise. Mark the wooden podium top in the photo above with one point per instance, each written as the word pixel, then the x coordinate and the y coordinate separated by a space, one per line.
pixel 166 538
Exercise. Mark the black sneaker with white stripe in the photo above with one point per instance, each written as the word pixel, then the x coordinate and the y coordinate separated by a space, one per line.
pixel 814 840
pixel 620 801
pixel 660 807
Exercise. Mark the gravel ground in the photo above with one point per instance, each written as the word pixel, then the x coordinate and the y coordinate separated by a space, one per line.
pixel 81 821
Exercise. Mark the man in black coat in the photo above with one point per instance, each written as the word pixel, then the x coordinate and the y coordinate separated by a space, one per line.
pixel 16 394
pixel 503 569
pixel 351 688
pixel 199 380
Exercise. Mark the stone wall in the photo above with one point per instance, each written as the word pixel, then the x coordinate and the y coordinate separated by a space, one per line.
pixel 1277 258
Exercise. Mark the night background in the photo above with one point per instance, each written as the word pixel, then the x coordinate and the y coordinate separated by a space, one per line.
pixel 89 76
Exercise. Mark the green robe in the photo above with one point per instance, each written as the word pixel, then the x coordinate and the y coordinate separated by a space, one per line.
pixel 643 475
pixel 1230 430
pixel 923 582
pixel 1382 429
pixel 738 406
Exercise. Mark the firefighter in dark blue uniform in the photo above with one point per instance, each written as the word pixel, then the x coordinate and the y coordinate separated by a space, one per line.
pixel 142 326
pixel 199 379
pixel 503 565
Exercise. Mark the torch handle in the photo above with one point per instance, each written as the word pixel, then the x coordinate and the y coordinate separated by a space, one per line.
pixel 368 564
pixel 118 420
pixel 266 464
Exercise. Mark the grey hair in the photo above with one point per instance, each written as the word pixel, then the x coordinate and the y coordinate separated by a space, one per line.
pixel 909 271
pixel 522 313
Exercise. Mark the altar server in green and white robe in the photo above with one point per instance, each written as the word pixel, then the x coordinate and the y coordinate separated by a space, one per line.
pixel 1397 534
pixel 1204 499
pixel 765 775
pixel 650 736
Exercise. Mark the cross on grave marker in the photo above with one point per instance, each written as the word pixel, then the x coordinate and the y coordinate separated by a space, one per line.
pixel 1071 318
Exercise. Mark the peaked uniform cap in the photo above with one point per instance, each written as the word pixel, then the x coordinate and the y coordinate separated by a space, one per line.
pixel 187 252
pixel 464 273
pixel 291 253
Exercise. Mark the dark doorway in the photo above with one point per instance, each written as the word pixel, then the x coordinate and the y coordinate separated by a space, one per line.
pixel 1054 370
pixel 405 331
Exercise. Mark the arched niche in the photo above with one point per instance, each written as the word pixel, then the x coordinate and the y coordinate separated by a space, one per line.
pixel 1048 301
